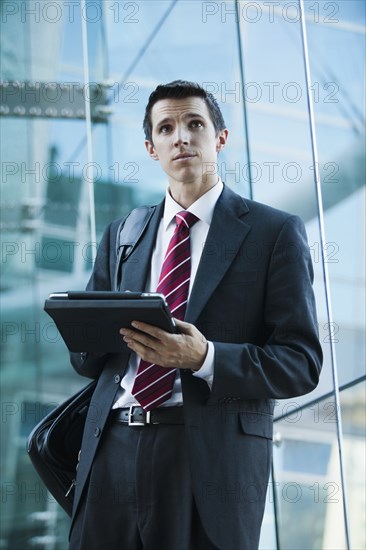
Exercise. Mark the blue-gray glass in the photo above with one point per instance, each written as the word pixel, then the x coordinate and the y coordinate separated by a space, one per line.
pixel 132 46
pixel 337 49
pixel 42 238
pixel 307 483
pixel 353 406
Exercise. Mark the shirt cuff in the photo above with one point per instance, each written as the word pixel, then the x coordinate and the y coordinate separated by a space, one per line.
pixel 206 372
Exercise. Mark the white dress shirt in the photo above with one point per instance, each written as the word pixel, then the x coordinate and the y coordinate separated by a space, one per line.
pixel 203 208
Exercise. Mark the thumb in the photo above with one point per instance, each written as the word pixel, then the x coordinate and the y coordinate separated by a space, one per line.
pixel 183 327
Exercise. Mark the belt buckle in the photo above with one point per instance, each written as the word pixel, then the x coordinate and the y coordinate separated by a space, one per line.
pixel 132 422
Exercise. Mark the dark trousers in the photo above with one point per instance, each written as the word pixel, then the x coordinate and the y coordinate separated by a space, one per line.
pixel 139 495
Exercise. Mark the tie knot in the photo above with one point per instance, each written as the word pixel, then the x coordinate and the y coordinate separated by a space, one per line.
pixel 185 219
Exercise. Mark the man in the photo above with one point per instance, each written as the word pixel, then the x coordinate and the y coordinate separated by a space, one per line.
pixel 196 479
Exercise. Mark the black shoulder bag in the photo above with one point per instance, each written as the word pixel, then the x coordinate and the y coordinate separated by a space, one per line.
pixel 54 444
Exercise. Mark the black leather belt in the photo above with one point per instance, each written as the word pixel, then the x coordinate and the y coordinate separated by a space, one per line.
pixel 136 416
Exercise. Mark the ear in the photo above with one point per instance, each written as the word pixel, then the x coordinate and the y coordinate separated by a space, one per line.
pixel 222 139
pixel 151 149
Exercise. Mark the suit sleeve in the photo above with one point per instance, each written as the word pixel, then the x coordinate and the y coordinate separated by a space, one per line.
pixel 289 362
pixel 88 364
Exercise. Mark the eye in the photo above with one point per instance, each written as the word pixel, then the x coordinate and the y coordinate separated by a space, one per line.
pixel 196 124
pixel 165 129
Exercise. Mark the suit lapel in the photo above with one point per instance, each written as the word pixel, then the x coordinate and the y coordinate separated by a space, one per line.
pixel 136 269
pixel 226 234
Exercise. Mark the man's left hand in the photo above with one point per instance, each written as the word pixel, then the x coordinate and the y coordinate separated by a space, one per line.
pixel 186 350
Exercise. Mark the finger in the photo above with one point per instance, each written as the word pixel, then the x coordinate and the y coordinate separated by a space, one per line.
pixel 141 338
pixel 147 354
pixel 132 334
pixel 153 331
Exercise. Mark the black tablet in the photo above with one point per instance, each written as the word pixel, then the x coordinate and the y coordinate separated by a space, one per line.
pixel 90 321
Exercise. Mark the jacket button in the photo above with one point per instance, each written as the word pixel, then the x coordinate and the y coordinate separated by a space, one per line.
pixel 117 378
pixel 97 432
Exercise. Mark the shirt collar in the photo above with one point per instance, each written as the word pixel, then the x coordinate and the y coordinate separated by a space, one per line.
pixel 203 207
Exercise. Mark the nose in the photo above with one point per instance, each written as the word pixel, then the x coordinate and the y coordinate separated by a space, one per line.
pixel 181 136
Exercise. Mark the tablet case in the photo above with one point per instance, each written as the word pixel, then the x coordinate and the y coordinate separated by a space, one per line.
pixel 90 321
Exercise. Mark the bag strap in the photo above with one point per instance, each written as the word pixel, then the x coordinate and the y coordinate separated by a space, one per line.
pixel 129 233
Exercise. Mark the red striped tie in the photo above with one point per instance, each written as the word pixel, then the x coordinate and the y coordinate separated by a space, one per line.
pixel 154 384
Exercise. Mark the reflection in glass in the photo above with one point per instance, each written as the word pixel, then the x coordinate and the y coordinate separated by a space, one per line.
pixel 307 482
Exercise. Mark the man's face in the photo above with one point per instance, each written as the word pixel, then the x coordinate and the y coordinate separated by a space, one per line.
pixel 184 141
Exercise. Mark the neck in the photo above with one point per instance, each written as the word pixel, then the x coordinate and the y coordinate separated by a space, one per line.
pixel 186 193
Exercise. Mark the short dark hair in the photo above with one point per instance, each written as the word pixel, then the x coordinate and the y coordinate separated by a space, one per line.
pixel 181 89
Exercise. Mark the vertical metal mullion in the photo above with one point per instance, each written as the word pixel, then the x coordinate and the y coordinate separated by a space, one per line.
pixel 245 111
pixel 89 138
pixel 328 302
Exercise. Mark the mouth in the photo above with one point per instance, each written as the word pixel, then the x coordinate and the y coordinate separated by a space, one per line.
pixel 183 157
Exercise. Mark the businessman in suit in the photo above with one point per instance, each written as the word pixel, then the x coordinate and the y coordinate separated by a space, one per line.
pixel 190 470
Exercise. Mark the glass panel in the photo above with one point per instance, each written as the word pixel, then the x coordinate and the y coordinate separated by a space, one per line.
pixel 43 224
pixel 337 58
pixel 353 408
pixel 307 483
pixel 276 81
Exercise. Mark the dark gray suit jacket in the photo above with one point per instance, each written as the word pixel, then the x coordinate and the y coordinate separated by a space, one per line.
pixel 252 297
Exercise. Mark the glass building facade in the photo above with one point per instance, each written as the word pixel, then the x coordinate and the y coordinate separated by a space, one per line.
pixel 75 78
